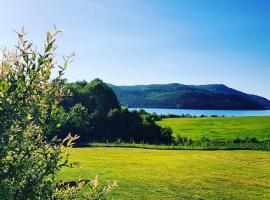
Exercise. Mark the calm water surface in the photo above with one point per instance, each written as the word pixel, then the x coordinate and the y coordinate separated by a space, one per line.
pixel 227 113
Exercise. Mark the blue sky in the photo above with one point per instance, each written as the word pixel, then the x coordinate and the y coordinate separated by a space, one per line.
pixel 154 41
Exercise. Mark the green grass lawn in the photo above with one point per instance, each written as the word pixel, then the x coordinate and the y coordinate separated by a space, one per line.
pixel 166 174
pixel 220 128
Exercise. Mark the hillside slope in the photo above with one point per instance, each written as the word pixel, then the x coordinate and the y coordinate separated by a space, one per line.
pixel 176 95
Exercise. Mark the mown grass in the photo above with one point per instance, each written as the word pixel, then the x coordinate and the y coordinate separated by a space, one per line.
pixel 228 128
pixel 158 174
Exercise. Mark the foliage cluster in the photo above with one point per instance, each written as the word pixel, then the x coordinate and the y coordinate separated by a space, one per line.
pixel 30 156
pixel 94 113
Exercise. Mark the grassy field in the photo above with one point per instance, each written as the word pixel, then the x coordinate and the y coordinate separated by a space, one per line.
pixel 220 128
pixel 166 174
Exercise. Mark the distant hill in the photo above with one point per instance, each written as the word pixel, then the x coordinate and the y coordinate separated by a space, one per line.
pixel 174 95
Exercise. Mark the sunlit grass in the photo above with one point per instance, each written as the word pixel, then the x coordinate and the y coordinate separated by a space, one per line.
pixel 167 174
pixel 220 128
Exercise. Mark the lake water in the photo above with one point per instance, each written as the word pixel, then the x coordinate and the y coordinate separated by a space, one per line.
pixel 227 113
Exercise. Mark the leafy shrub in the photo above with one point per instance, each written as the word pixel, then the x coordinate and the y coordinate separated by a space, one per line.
pixel 182 140
pixel 90 190
pixel 78 121
pixel 246 140
pixel 30 113
pixel 166 135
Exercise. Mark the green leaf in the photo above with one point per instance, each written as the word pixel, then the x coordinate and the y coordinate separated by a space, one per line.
pixel 48 37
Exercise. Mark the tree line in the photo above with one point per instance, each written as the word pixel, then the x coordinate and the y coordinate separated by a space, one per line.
pixel 93 112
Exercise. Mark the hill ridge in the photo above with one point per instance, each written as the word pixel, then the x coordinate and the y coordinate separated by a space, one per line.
pixel 176 95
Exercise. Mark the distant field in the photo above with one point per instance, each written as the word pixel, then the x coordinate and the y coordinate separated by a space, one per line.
pixel 166 174
pixel 220 128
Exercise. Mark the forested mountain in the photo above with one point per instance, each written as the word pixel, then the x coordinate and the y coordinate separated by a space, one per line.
pixel 214 96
